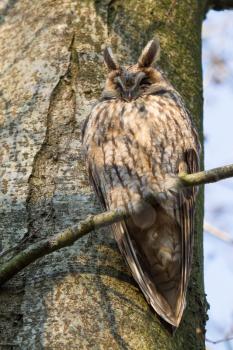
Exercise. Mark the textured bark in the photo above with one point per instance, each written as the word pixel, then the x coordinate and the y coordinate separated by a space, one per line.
pixel 82 297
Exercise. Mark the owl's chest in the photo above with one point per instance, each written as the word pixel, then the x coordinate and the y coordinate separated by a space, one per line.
pixel 143 120
pixel 152 123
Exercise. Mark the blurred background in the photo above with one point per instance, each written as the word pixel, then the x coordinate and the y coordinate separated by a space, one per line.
pixel 218 130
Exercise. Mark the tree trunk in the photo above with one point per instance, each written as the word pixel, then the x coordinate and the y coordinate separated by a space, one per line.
pixel 82 297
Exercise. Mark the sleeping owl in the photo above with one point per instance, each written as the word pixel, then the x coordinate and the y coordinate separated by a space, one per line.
pixel 137 138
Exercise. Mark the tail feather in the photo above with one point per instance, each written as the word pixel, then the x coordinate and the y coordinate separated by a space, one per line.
pixel 154 257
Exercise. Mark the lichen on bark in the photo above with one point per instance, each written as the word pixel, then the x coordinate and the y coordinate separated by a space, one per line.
pixel 51 72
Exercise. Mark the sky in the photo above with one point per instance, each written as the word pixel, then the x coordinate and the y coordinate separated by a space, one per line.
pixel 218 126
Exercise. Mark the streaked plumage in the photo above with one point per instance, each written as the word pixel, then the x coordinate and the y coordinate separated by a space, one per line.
pixel 137 138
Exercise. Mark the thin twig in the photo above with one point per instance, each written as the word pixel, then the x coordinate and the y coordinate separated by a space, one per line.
pixel 224 236
pixel 219 5
pixel 220 340
pixel 58 241
pixel 206 177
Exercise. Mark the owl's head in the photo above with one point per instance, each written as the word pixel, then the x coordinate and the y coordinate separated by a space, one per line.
pixel 129 83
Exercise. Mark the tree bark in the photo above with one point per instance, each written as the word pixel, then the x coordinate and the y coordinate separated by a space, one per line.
pixel 82 297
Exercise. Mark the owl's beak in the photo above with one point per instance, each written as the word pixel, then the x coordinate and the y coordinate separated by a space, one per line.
pixel 129 95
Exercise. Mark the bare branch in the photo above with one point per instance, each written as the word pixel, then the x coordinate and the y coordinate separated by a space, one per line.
pixel 220 340
pixel 58 241
pixel 224 236
pixel 205 177
pixel 70 235
pixel 219 5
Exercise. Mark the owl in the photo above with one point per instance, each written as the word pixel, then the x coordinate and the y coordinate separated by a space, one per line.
pixel 137 138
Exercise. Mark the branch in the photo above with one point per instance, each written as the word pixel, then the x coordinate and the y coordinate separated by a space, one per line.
pixel 219 5
pixel 58 241
pixel 205 177
pixel 224 236
pixel 219 341
pixel 72 234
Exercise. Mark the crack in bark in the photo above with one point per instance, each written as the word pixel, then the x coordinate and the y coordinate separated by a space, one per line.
pixel 59 130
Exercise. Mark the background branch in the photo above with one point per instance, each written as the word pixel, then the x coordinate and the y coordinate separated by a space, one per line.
pixel 70 235
pixel 219 5
pixel 224 236
pixel 219 341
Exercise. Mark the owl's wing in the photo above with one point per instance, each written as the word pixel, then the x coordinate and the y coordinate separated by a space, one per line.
pixel 185 216
pixel 130 248
pixel 97 185
pixel 164 285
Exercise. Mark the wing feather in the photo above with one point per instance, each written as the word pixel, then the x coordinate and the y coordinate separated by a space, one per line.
pixel 185 217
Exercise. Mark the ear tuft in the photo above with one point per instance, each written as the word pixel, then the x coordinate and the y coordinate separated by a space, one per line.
pixel 149 54
pixel 110 60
